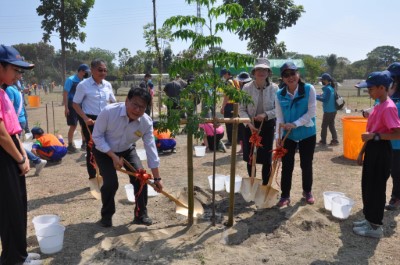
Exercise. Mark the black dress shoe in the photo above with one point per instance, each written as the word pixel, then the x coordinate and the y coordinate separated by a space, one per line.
pixel 143 220
pixel 104 222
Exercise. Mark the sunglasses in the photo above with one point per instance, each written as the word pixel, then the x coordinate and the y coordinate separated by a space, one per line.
pixel 288 74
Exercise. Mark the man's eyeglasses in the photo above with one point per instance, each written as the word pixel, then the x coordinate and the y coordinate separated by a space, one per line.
pixel 137 106
pixel 101 70
pixel 288 74
pixel 19 71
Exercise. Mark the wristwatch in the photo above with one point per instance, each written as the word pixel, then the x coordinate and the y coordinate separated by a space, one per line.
pixel 22 161
pixel 377 137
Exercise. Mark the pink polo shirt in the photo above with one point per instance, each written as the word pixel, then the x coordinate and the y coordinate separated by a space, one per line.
pixel 8 115
pixel 209 129
pixel 383 118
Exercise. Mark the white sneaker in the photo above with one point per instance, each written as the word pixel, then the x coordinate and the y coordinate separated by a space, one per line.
pixel 28 136
pixel 33 256
pixel 40 166
pixel 33 262
pixel 368 231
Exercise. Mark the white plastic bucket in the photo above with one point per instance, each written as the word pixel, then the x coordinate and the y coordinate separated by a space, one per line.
pixel 28 136
pixel 200 150
pixel 51 238
pixel 27 145
pixel 151 192
pixel 142 154
pixel 46 220
pixel 328 195
pixel 238 183
pixel 78 143
pixel 341 206
pixel 129 192
pixel 219 182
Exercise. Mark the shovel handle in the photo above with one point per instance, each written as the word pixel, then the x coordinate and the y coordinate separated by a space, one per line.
pixel 169 196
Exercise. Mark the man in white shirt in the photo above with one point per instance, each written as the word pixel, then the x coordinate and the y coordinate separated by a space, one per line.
pixel 117 129
pixel 93 94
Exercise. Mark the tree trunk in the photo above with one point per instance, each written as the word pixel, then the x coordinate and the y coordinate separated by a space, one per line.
pixel 62 37
pixel 190 177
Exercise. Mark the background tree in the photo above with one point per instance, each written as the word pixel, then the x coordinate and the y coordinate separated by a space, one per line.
pixel 332 62
pixel 66 17
pixel 277 15
pixel 382 56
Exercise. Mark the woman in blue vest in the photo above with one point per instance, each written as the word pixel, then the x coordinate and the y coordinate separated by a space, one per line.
pixel 296 110
pixel 328 103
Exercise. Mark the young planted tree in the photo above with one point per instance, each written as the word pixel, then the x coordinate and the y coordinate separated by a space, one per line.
pixel 66 17
pixel 206 83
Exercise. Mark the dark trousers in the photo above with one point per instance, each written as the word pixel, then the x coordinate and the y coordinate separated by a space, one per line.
pixel 228 113
pixel 395 173
pixel 13 210
pixel 210 141
pixel 110 182
pixel 264 153
pixel 375 173
pixel 306 151
pixel 328 121
pixel 89 166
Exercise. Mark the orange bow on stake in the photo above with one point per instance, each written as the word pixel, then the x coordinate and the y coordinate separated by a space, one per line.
pixel 278 153
pixel 255 139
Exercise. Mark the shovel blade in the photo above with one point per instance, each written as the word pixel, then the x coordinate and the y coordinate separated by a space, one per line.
pixel 95 185
pixel 249 188
pixel 198 208
pixel 266 197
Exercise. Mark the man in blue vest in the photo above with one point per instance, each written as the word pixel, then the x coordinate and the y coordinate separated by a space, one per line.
pixel 70 114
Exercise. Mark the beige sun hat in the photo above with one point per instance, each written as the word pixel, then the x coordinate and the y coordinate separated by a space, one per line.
pixel 261 63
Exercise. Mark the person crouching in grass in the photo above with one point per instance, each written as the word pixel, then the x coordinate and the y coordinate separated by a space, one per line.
pixel 383 125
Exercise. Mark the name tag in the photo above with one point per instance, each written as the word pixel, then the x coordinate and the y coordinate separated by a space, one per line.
pixel 138 133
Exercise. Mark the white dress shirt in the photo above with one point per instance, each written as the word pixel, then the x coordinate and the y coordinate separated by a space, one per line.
pixel 93 97
pixel 113 131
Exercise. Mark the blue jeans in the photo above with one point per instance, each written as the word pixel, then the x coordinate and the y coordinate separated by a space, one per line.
pixel 31 156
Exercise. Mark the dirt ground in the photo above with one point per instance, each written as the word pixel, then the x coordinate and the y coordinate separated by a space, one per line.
pixel 299 234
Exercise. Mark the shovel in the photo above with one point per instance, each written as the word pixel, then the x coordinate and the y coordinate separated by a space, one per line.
pixel 250 184
pixel 181 203
pixel 268 196
pixel 95 189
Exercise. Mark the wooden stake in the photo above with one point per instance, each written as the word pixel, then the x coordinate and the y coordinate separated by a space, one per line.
pixel 47 119
pixel 54 120
pixel 233 166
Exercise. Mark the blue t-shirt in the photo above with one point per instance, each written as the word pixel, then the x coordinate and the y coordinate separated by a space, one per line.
pixel 16 98
pixel 71 82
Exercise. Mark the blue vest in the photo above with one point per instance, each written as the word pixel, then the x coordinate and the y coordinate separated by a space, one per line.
pixel 396 99
pixel 293 109
pixel 328 100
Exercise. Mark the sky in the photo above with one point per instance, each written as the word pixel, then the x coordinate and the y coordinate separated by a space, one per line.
pixel 347 28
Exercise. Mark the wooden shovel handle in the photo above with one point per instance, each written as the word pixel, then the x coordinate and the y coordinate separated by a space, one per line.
pixel 169 196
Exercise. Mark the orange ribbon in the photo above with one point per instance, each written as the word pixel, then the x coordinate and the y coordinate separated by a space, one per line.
pixel 255 139
pixel 278 153
pixel 143 177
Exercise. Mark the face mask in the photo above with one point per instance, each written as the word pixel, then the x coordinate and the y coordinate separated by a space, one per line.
pixel 86 75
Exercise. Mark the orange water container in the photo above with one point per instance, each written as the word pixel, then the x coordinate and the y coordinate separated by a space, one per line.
pixel 353 127
pixel 34 101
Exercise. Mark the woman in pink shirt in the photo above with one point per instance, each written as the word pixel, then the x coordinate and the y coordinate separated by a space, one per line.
pixel 209 136
pixel 14 166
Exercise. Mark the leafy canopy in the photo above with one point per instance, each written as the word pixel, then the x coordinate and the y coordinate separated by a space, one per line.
pixel 66 22
pixel 277 15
